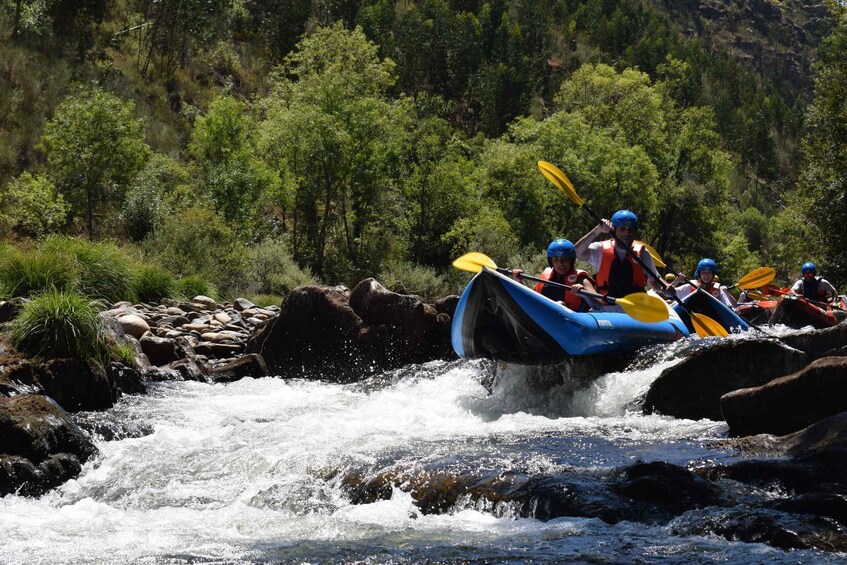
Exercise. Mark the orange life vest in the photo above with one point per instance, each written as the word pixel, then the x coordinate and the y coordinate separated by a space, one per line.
pixel 620 278
pixel 571 299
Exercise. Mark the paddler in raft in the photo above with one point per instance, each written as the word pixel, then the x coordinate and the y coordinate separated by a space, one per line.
pixel 705 277
pixel 617 273
pixel 560 269
pixel 812 286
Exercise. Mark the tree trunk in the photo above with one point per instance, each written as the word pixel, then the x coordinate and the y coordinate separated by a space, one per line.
pixel 17 20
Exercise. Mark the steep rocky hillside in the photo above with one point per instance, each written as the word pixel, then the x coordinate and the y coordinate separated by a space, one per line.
pixel 775 39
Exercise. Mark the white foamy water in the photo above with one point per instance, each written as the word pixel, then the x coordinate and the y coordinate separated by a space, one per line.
pixel 252 472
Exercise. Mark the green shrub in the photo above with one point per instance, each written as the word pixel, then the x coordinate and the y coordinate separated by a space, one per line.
pixel 272 270
pixel 153 284
pixel 57 324
pixel 198 241
pixel 103 269
pixel 416 279
pixel 192 285
pixel 29 272
pixel 32 207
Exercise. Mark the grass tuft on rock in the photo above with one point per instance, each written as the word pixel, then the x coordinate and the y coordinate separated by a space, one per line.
pixel 57 324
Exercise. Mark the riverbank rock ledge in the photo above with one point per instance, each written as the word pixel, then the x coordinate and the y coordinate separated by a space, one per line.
pixel 40 446
pixel 335 334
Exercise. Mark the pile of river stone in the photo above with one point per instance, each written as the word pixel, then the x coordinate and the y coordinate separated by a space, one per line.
pixel 187 340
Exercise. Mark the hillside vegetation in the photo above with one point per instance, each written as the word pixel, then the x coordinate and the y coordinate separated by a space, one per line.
pixel 255 145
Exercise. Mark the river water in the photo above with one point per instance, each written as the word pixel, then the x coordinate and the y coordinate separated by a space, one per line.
pixel 252 472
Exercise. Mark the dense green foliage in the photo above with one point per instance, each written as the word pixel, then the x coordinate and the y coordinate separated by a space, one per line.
pixel 251 147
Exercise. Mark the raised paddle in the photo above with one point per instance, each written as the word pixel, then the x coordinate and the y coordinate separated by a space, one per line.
pixel 639 305
pixel 703 325
pixel 657 260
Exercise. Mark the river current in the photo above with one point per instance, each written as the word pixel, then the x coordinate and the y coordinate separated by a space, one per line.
pixel 252 472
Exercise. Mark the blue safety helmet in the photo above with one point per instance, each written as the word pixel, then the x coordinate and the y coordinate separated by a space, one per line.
pixel 706 265
pixel 561 248
pixel 809 268
pixel 624 218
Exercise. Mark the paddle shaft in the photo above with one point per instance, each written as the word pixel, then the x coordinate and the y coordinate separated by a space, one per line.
pixel 595 295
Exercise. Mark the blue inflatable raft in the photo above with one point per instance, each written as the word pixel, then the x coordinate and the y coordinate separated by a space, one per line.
pixel 701 302
pixel 500 318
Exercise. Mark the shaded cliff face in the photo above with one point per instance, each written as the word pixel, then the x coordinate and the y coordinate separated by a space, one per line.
pixel 773 38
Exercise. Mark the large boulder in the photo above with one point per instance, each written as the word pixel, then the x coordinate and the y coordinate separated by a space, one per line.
pixel 75 384
pixel 693 388
pixel 40 446
pixel 790 403
pixel 330 333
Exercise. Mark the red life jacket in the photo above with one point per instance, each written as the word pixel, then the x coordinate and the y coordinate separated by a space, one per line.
pixel 571 299
pixel 620 278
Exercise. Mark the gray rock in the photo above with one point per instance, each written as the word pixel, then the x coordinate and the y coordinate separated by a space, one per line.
pixel 242 304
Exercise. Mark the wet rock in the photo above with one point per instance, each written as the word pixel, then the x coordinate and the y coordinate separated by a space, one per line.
pixel 669 489
pixel 159 350
pixel 790 403
pixel 250 365
pixel 126 379
pixel 825 504
pixel 40 446
pixel 330 333
pixel 777 529
pixel 76 384
pixel 693 388
pixel 446 305
pixel 191 370
pixel 817 343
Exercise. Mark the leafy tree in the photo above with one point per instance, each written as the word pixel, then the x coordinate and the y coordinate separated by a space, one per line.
pixel 177 27
pixel 825 145
pixel 234 177
pixel 31 206
pixel 331 126
pixel 437 190
pixel 160 188
pixel 95 147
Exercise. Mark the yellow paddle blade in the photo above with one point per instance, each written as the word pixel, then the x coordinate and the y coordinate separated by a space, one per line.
pixel 643 307
pixel 474 262
pixel 657 260
pixel 756 295
pixel 756 278
pixel 707 327
pixel 555 175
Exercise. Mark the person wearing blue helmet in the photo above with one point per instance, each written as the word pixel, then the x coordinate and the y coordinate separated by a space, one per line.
pixel 560 269
pixel 704 278
pixel 617 272
pixel 812 286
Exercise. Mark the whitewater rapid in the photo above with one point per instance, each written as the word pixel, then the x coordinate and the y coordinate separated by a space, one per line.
pixel 251 472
